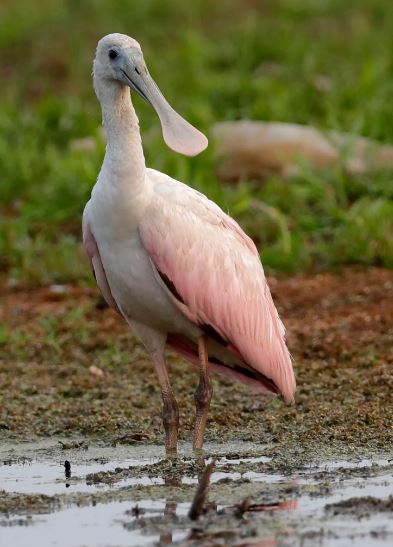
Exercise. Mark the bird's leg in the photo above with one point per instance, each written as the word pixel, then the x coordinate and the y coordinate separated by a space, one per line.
pixel 170 412
pixel 203 394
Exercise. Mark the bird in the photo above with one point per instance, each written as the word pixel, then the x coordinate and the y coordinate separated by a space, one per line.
pixel 179 270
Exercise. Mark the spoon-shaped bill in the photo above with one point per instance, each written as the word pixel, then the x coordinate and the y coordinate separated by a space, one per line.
pixel 178 134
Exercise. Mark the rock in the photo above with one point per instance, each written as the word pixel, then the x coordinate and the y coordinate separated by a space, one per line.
pixel 83 144
pixel 96 371
pixel 252 149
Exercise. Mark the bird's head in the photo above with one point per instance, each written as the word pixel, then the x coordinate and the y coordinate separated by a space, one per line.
pixel 119 59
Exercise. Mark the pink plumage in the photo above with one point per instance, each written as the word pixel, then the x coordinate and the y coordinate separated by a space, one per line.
pixel 216 271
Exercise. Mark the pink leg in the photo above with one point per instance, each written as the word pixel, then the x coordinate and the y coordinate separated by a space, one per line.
pixel 203 395
pixel 170 413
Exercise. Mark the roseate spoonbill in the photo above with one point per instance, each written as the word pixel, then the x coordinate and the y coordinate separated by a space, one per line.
pixel 177 268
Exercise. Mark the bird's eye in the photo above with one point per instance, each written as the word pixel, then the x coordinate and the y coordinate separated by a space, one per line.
pixel 113 54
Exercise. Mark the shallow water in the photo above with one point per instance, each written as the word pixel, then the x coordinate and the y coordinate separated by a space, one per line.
pixel 47 477
pixel 100 525
pixel 294 514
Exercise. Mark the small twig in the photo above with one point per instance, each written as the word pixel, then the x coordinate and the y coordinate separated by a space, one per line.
pixel 244 506
pixel 67 469
pixel 198 502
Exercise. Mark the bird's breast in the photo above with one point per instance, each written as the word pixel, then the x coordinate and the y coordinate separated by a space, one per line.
pixel 134 285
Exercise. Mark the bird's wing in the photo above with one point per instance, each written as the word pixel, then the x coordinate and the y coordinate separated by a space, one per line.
pixel 215 275
pixel 96 265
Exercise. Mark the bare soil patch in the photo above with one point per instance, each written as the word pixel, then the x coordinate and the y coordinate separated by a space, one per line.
pixel 68 368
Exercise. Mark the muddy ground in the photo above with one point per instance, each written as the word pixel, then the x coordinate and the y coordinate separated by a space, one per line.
pixel 76 386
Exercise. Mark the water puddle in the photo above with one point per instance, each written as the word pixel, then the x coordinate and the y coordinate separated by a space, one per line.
pixel 101 525
pixel 300 508
pixel 49 478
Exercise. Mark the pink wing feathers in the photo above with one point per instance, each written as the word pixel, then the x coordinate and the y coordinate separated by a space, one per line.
pixel 217 275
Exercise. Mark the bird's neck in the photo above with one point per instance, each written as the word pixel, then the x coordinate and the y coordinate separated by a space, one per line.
pixel 124 163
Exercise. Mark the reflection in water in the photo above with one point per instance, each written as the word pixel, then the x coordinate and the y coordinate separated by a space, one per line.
pixel 211 511
pixel 170 514
pixel 198 505
pixel 286 505
pixel 161 516
pixel 170 479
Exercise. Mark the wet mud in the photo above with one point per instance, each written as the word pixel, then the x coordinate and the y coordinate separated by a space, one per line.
pixel 134 496
pixel 81 455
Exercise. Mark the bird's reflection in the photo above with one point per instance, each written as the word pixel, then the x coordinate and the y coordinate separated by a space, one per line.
pixel 170 513
pixel 170 479
pixel 205 523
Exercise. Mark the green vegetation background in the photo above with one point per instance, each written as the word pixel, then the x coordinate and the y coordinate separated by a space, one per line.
pixel 214 60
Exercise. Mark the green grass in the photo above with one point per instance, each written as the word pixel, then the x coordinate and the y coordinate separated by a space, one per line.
pixel 214 61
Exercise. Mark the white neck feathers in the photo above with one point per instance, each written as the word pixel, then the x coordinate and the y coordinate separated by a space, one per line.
pixel 124 161
pixel 122 184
